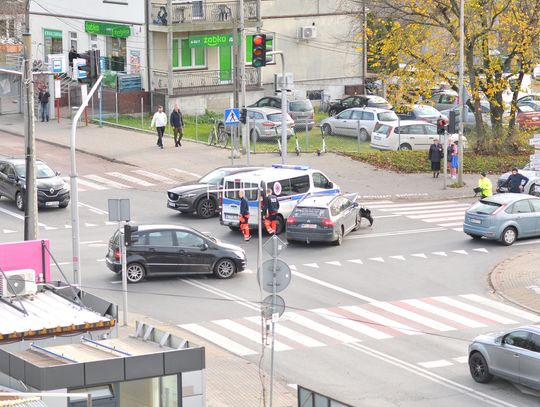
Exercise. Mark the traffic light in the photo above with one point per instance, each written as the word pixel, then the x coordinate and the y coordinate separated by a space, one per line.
pixel 130 234
pixel 95 68
pixel 243 115
pixel 258 53
pixel 452 123
pixel 89 67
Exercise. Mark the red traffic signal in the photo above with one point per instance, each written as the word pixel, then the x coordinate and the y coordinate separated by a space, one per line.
pixel 258 53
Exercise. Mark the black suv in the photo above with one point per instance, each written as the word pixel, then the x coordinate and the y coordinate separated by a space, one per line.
pixel 51 189
pixel 358 101
pixel 202 196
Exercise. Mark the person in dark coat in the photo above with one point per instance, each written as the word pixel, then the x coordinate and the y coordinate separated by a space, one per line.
pixel 177 122
pixel 72 55
pixel 271 208
pixel 435 155
pixel 244 216
pixel 516 181
pixel 43 98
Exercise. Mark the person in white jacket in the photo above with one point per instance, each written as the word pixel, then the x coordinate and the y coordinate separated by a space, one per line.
pixel 159 121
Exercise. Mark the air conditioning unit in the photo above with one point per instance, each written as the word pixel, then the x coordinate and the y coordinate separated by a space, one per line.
pixel 17 282
pixel 308 32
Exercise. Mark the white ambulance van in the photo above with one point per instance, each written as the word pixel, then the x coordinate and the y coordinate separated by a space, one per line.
pixel 290 183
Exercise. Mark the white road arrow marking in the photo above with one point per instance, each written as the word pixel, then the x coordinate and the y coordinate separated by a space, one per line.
pixel 379 259
pixel 460 252
pixel 9 231
pixel 357 261
pixel 333 263
pixel 89 225
pixel 481 250
pixel 397 257
pixel 314 265
pixel 421 255
pixel 439 253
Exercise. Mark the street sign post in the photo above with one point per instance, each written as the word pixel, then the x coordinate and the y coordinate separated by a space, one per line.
pixel 232 116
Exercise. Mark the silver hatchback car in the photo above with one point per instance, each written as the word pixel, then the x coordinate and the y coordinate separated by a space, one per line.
pixel 504 217
pixel 513 355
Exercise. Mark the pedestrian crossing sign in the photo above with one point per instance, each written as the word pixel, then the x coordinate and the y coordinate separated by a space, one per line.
pixel 232 116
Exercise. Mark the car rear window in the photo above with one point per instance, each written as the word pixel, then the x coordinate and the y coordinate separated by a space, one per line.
pixel 387 116
pixel 232 188
pixel 384 129
pixel 426 111
pixel 274 117
pixel 300 106
pixel 306 211
pixel 485 207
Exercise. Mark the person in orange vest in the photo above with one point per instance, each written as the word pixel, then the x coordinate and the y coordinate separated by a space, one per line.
pixel 271 207
pixel 244 216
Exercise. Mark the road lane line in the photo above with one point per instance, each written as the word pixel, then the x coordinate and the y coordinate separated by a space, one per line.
pixel 432 309
pixel 156 177
pixel 219 340
pixel 94 209
pixel 412 205
pixel 436 215
pixel 108 182
pixel 395 233
pixel 351 324
pixel 248 333
pixel 194 174
pixel 21 217
pixel 428 322
pixel 452 224
pixel 224 294
pixel 460 217
pixel 415 211
pixel 474 310
pixel 467 391
pixel 317 327
pixel 129 178
pixel 291 334
pixel 502 307
pixel 435 363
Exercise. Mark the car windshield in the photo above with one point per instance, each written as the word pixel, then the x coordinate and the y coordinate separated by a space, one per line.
pixel 525 109
pixel 311 212
pixel 42 171
pixel 214 177
pixel 300 106
pixel 426 111
pixel 387 116
pixel 485 207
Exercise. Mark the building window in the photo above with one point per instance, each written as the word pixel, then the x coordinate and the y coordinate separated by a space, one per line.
pixel 185 57
pixel 93 41
pixel 116 52
pixel 72 40
pixel 53 41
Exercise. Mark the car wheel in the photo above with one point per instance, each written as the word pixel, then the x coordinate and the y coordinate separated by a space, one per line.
pixel 135 272
pixel 509 236
pixel 19 201
pixel 327 129
pixel 364 136
pixel 280 225
pixel 206 208
pixel 405 147
pixel 64 204
pixel 476 237
pixel 339 239
pixel 224 268
pixel 479 368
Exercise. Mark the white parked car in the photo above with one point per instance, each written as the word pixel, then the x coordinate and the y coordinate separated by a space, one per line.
pixel 357 122
pixel 409 135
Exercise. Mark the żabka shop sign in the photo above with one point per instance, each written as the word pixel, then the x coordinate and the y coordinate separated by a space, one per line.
pixel 210 41
pixel 112 30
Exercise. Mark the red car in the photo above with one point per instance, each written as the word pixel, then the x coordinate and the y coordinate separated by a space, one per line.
pixel 527 117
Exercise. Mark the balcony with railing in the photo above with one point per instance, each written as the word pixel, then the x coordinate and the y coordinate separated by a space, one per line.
pixel 202 82
pixel 199 14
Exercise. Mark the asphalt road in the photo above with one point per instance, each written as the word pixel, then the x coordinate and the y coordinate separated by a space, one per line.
pixel 383 320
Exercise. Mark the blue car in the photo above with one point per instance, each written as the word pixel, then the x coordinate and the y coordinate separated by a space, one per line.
pixel 504 217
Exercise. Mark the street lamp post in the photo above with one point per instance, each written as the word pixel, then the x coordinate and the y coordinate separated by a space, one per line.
pixel 461 89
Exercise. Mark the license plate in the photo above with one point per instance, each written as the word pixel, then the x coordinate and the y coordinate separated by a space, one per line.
pixel 232 217
pixel 376 137
pixel 308 226
pixel 51 203
pixel 477 221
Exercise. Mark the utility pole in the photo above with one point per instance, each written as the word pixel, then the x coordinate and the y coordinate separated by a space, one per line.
pixel 461 89
pixel 364 47
pixel 30 195
pixel 242 63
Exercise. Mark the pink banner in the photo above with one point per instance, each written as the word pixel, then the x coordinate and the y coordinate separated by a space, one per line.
pixel 26 255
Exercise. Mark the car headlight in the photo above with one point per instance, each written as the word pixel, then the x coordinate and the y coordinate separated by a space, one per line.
pixel 66 187
pixel 240 253
pixel 190 195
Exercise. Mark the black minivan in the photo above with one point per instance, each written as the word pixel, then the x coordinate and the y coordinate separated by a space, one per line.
pixel 163 250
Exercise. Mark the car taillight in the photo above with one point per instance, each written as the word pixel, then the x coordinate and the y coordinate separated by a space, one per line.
pixel 390 130
pixel 291 220
pixel 117 253
pixel 499 209
pixel 268 124
pixel 328 222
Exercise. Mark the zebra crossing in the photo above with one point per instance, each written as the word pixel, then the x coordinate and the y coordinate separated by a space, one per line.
pixel 447 214
pixel 130 179
pixel 378 320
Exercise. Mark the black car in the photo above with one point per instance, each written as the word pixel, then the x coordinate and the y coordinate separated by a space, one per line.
pixel 171 250
pixel 202 196
pixel 358 101
pixel 51 189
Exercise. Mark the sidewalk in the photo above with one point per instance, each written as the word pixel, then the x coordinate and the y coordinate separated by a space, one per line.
pixel 139 149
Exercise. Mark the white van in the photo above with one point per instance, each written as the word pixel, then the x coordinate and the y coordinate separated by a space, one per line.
pixel 290 183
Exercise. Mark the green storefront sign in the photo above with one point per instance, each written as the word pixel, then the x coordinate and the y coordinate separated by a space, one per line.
pixel 209 41
pixel 48 33
pixel 109 29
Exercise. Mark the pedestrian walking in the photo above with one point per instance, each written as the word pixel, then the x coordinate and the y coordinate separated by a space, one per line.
pixel 454 160
pixel 516 182
pixel 43 98
pixel 484 188
pixel 159 121
pixel 177 123
pixel 271 208
pixel 244 216
pixel 435 155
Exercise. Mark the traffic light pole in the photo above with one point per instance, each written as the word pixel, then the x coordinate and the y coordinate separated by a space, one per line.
pixel 123 256
pixel 284 107
pixel 75 232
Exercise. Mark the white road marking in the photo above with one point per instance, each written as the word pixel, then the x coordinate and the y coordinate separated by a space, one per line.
pixel 461 359
pixel 417 211
pixel 379 259
pixel 428 322
pixel 67 226
pixel 89 225
pixel 349 323
pixel 187 172
pixel 218 339
pixel 290 334
pixel 314 265
pixel 452 316
pixel 379 319
pixel 439 253
pixel 223 294
pixel 92 241
pixel 317 327
pixel 458 229
pixel 94 209
pixel 248 333
pixel 421 255
pixel 436 215
pixel 534 241
pixel 481 250
pixel 333 263
pixel 357 261
pixel 398 257
pixel 21 217
pixel 91 184
pixel 129 178
pixel 437 220
pixel 460 252
pixel 435 363
pixel 157 177
pixel 395 233
pixel 108 182
pixel 416 204
pixel 100 260
pixel 8 231
pixel 451 224
pixel 475 310
pixel 386 216
pixel 503 307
